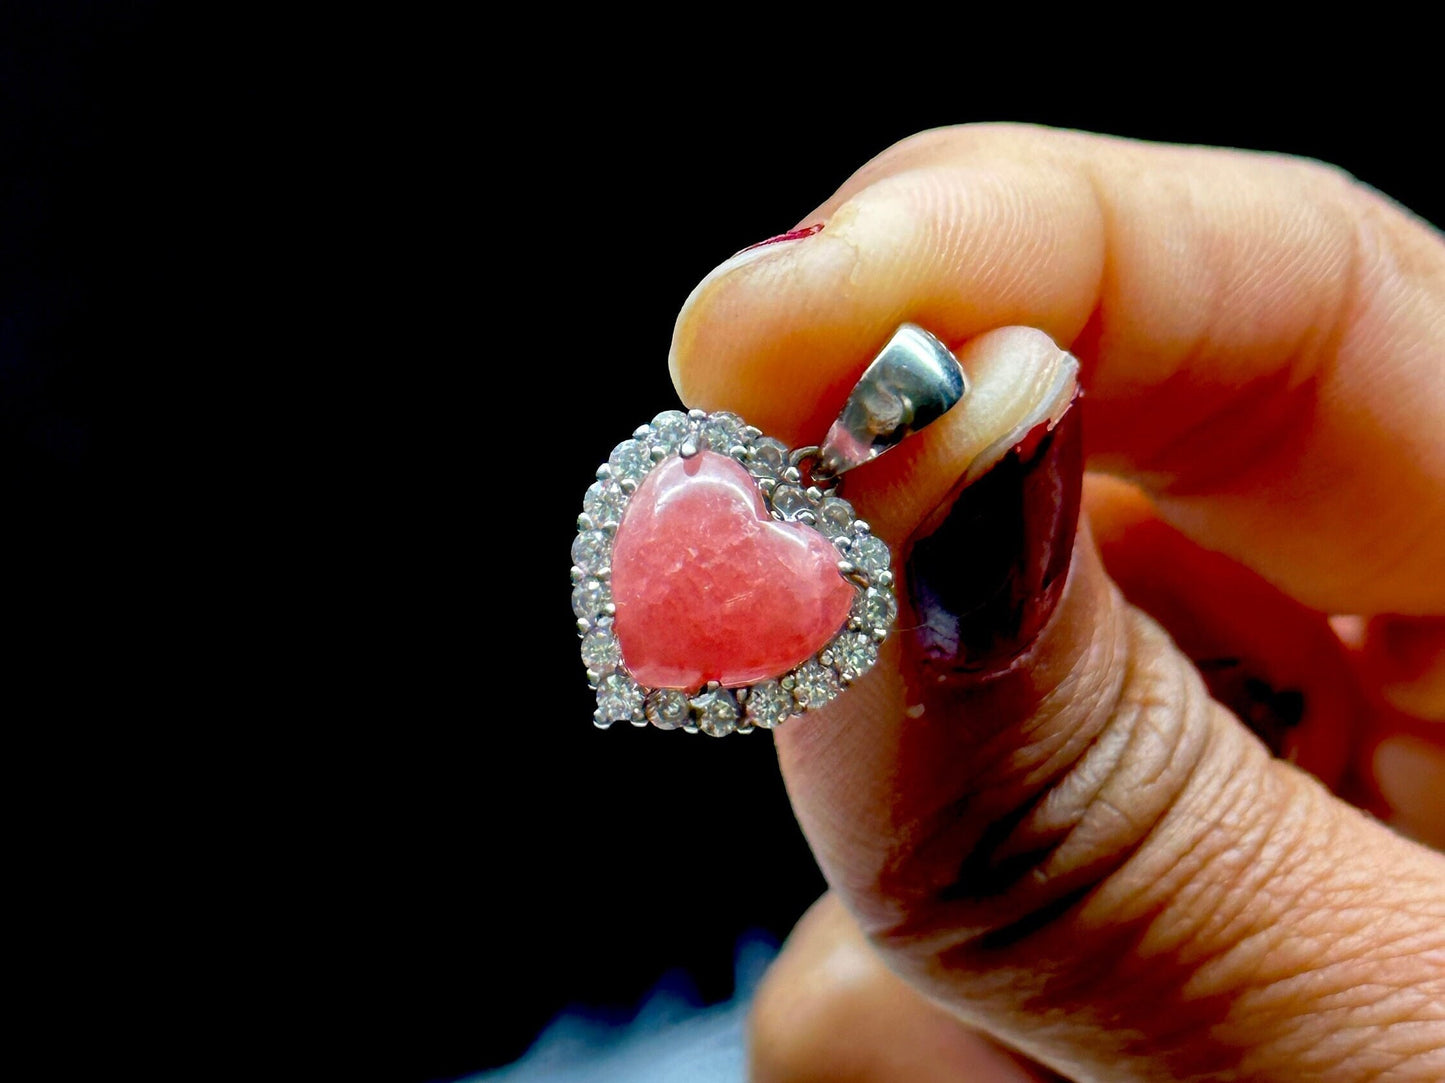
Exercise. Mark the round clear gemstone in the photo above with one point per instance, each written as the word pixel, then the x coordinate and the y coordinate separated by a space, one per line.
pixel 789 500
pixel 592 551
pixel 631 460
pixel 769 458
pixel 590 599
pixel 814 685
pixel 835 517
pixel 604 503
pixel 722 431
pixel 600 652
pixel 876 608
pixel 669 429
pixel 769 704
pixel 871 554
pixel 717 712
pixel 853 653
pixel 667 709
pixel 618 698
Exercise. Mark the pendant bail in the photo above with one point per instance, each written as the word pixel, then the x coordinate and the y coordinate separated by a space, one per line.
pixel 914 380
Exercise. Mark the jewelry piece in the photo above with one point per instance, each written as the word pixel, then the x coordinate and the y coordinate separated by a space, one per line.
pixel 719 580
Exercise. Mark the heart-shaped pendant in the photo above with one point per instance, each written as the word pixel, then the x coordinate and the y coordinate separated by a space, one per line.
pixel 719 581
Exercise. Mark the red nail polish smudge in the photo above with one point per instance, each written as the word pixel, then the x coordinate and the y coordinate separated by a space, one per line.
pixel 791 235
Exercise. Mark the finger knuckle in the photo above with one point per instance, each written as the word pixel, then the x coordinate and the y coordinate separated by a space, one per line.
pixel 1098 768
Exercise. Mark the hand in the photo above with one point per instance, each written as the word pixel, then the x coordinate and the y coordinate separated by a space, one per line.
pixel 1055 827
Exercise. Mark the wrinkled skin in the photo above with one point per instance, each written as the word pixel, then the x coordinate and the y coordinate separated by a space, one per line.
pixel 1119 852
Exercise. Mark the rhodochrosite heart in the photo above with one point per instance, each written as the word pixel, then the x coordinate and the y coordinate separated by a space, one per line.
pixel 709 587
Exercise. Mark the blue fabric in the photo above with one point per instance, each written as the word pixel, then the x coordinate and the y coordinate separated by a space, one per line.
pixel 669 1040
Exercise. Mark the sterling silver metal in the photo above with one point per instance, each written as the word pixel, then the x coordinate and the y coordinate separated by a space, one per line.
pixel 914 380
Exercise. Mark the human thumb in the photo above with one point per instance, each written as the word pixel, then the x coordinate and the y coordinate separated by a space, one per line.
pixel 1035 811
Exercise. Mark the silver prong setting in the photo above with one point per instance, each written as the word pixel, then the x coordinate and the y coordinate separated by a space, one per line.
pixel 789 495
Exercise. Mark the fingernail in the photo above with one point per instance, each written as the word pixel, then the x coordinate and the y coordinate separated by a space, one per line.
pixel 758 251
pixel 753 252
pixel 750 254
pixel 791 235
pixel 985 579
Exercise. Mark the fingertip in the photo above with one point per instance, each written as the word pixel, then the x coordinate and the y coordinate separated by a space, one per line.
pixel 692 357
pixel 753 338
pixel 778 333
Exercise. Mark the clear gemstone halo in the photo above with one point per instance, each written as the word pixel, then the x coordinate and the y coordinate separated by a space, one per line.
pixel 778 559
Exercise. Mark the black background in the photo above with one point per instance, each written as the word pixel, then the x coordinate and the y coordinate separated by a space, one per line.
pixel 309 344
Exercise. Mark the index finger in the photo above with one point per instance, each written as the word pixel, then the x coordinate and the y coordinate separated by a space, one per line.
pixel 1263 339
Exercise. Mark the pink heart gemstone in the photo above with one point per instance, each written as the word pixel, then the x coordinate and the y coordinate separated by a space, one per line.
pixel 709 587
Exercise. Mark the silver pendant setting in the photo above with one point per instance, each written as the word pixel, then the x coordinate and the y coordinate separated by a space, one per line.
pixel 912 381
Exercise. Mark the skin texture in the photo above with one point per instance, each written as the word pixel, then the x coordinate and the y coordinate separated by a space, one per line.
pixel 1081 851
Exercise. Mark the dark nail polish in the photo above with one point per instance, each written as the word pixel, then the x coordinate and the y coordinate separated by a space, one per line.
pixel 791 235
pixel 985 580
